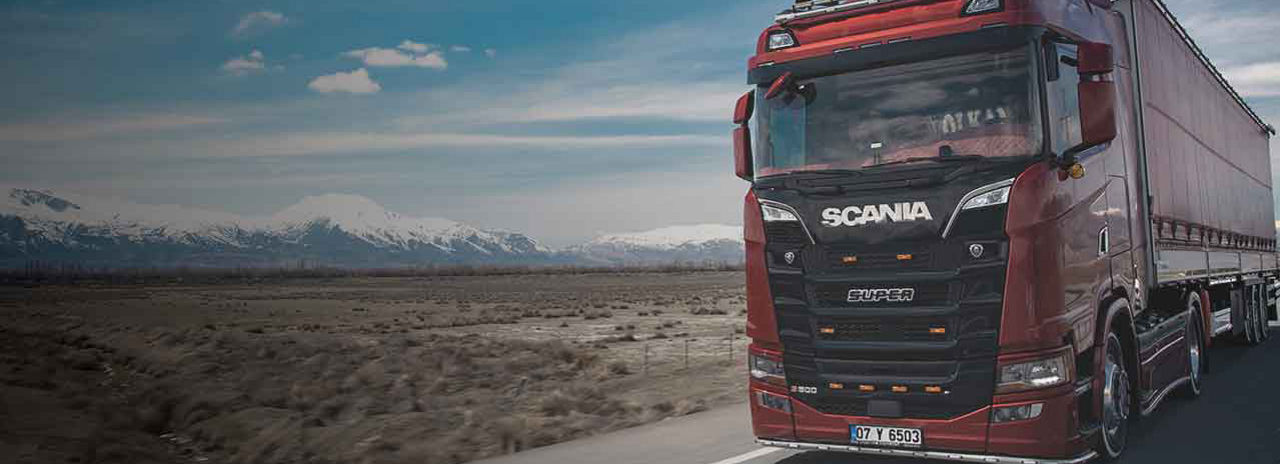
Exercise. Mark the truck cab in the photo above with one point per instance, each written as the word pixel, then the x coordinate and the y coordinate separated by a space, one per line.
pixel 942 231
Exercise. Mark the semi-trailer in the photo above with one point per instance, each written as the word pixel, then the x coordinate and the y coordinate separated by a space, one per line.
pixel 993 230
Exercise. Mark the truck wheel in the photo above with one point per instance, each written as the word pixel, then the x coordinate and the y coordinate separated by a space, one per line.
pixel 1249 337
pixel 1264 314
pixel 1195 353
pixel 1116 394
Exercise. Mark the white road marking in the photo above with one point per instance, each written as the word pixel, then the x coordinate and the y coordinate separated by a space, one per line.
pixel 748 456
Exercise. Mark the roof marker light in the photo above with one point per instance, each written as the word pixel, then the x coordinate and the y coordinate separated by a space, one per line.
pixel 983 6
pixel 779 40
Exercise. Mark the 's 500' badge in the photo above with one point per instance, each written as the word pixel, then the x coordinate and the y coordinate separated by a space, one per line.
pixel 877 295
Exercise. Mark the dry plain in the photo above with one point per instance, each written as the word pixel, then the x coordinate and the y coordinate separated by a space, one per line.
pixel 359 370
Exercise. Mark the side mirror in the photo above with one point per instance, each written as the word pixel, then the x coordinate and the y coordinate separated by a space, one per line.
pixel 1097 112
pixel 1097 94
pixel 746 107
pixel 742 153
pixel 743 165
pixel 1096 58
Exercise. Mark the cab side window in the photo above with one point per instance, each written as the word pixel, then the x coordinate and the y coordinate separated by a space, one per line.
pixel 1063 95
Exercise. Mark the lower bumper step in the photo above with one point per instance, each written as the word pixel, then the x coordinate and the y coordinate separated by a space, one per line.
pixel 921 454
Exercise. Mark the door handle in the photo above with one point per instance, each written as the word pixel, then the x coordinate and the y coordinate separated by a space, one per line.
pixel 1104 241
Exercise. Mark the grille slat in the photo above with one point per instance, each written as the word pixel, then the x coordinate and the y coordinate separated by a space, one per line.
pixel 878 330
pixel 785 234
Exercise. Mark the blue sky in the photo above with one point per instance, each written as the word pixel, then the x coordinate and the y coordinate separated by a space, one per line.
pixel 559 119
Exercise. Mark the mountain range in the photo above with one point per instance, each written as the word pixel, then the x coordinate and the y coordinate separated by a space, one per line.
pixel 324 230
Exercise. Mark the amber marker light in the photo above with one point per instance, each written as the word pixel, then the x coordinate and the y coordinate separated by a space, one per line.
pixel 836 386
pixel 867 388
pixel 849 260
pixel 937 330
pixel 827 330
pixel 905 257
pixel 899 388
pixel 933 389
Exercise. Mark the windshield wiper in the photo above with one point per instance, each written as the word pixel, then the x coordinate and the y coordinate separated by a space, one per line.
pixel 940 159
pixel 829 172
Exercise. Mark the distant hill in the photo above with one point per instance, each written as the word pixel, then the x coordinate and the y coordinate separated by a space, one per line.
pixel 324 230
pixel 699 243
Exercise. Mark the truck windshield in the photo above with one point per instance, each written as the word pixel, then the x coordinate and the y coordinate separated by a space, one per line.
pixel 966 107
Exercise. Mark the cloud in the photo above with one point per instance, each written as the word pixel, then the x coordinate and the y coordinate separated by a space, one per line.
pixel 357 82
pixel 257 22
pixel 491 53
pixel 408 53
pixel 1256 80
pixel 409 45
pixel 460 49
pixel 254 62
pixel 116 125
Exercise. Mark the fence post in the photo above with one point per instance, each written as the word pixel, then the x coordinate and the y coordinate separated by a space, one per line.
pixel 686 354
pixel 646 359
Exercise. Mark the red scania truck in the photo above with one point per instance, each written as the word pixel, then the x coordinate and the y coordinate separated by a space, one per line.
pixel 992 230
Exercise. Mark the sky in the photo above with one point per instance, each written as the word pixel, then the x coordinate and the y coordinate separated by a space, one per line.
pixel 563 120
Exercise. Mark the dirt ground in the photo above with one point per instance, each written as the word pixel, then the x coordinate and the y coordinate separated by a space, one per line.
pixel 359 370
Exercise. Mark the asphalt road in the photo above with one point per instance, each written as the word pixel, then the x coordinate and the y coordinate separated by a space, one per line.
pixel 1236 421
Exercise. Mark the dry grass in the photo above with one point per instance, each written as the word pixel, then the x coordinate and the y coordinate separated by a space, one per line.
pixel 426 370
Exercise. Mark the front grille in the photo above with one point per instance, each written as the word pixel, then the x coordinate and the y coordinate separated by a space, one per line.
pixel 785 234
pixel 876 330
pixel 851 260
pixel 930 294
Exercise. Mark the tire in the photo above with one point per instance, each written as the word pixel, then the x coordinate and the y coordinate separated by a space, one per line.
pixel 1250 336
pixel 1195 353
pixel 1117 397
pixel 1264 312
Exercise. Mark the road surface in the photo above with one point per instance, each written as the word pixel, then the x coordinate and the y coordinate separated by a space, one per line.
pixel 1237 421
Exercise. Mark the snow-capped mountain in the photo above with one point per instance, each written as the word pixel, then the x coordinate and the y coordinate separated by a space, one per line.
pixel 693 243
pixel 337 230
pixel 326 230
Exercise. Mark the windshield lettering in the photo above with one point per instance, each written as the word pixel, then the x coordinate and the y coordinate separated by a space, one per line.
pixel 962 108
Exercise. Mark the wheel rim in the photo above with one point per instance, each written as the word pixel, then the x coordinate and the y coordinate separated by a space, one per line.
pixel 1262 317
pixel 1194 353
pixel 1250 327
pixel 1115 399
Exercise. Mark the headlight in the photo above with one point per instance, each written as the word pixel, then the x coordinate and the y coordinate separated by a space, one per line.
pixel 1016 413
pixel 772 401
pixel 1031 375
pixel 998 196
pixel 776 214
pixel 779 40
pixel 767 370
pixel 983 6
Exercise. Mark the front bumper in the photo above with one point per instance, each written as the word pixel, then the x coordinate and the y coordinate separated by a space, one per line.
pixel 1052 437
pixel 939 455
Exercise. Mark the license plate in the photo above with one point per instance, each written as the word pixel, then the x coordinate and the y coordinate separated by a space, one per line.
pixel 886 436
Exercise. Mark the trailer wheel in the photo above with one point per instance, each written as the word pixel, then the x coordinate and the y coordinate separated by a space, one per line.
pixel 1250 335
pixel 1264 314
pixel 1116 398
pixel 1195 352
